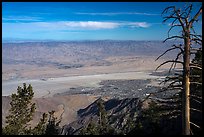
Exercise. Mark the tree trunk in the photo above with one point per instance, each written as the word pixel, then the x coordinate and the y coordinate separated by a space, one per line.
pixel 186 87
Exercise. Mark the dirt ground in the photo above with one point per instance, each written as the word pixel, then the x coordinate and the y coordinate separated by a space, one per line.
pixel 47 81
pixel 65 107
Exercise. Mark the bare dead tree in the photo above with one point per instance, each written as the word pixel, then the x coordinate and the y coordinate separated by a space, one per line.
pixel 184 20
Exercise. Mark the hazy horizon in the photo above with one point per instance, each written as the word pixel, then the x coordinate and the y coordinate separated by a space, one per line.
pixel 15 40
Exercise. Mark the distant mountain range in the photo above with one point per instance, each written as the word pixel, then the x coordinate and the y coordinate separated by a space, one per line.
pixel 47 52
pixel 20 40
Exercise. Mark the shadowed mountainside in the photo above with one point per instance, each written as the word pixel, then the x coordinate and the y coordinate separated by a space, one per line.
pixel 120 112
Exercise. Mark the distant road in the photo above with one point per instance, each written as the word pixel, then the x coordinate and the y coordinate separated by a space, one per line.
pixel 62 84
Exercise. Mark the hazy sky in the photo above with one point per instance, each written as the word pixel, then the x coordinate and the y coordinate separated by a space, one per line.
pixel 87 20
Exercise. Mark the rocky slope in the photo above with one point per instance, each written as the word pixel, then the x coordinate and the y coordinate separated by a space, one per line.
pixel 66 107
pixel 118 111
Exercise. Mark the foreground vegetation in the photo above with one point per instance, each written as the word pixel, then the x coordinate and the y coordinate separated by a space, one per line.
pixel 21 113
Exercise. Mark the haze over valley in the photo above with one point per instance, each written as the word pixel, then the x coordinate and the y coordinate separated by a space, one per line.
pixel 44 62
pixel 59 69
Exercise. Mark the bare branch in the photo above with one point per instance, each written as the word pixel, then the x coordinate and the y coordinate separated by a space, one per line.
pixel 167 9
pixel 169 17
pixel 197 67
pixel 168 62
pixel 180 47
pixel 174 87
pixel 179 73
pixel 196 110
pixel 172 78
pixel 168 78
pixel 197 42
pixel 191 132
pixel 196 101
pixel 177 57
pixel 195 125
pixel 165 52
pixel 198 83
pixel 177 25
pixel 173 47
pixel 177 17
pixel 180 20
pixel 171 67
pixel 194 76
pixel 196 49
pixel 189 11
pixel 196 39
pixel 193 29
pixel 184 17
pixel 172 17
pixel 196 35
pixel 165 89
pixel 174 22
pixel 195 96
pixel 195 64
pixel 196 16
pixel 173 37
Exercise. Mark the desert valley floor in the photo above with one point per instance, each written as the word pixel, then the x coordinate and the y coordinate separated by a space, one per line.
pixel 69 76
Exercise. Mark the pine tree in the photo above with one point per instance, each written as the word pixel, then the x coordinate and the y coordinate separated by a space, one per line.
pixel 21 112
pixel 130 124
pixel 91 129
pixel 41 126
pixel 52 126
pixel 103 126
pixel 102 113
